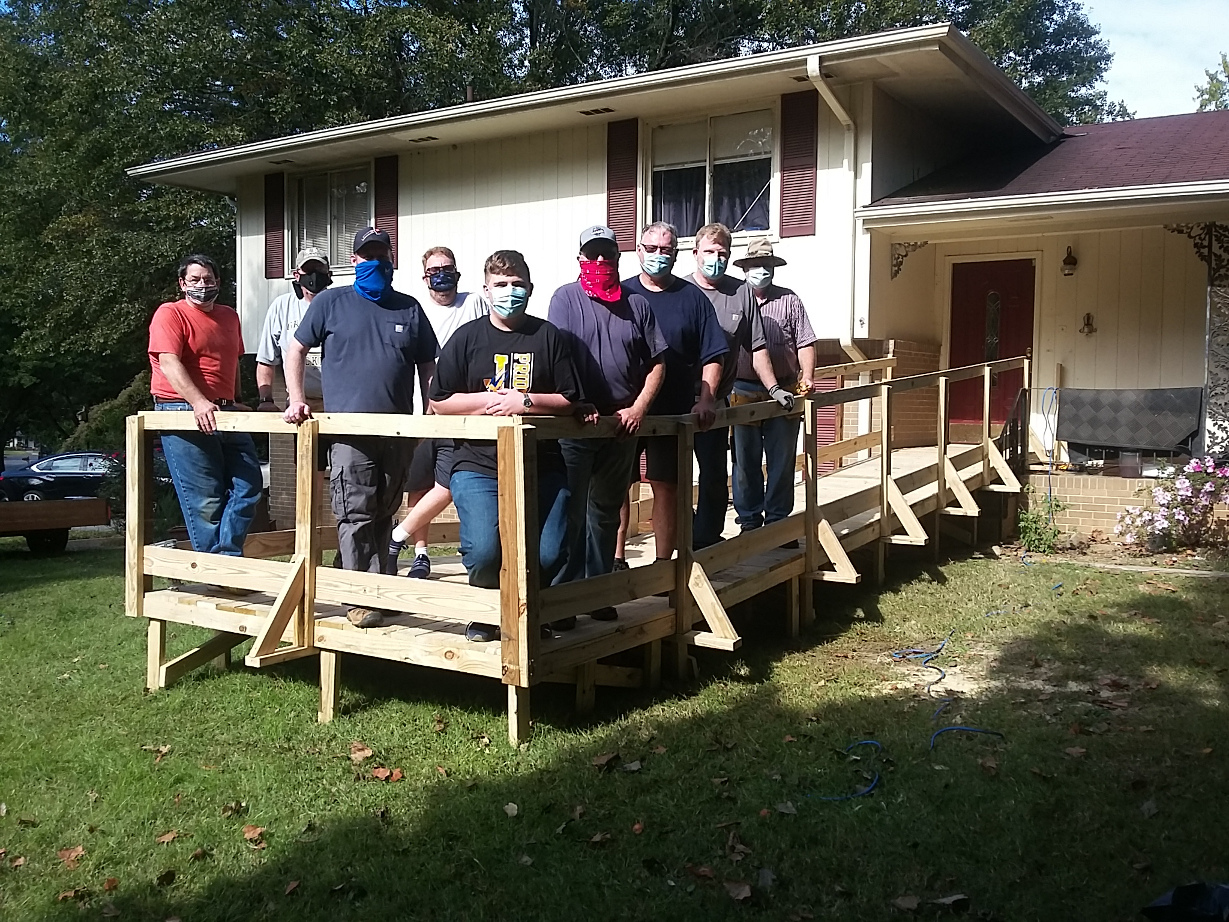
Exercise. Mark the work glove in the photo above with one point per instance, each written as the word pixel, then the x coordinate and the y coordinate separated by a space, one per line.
pixel 781 396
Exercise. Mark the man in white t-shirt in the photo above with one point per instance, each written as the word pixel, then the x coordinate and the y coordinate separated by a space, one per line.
pixel 448 309
pixel 311 276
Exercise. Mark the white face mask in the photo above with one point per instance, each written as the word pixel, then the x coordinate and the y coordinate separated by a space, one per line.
pixel 759 276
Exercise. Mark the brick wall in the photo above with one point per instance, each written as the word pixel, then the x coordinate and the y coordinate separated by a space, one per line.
pixel 1092 501
pixel 914 413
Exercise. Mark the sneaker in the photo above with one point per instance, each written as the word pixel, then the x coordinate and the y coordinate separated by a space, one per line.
pixel 790 545
pixel 605 613
pixel 365 617
pixel 563 624
pixel 420 568
pixel 620 564
pixel 476 632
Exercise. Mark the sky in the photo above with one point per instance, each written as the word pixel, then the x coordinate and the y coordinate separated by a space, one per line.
pixel 1161 50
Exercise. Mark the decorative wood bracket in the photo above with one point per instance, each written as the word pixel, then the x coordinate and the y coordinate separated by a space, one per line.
pixel 901 250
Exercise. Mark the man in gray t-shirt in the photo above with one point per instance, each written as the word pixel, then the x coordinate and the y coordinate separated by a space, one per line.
pixel 740 320
pixel 311 276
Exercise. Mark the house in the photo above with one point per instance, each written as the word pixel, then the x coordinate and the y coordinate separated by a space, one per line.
pixel 921 198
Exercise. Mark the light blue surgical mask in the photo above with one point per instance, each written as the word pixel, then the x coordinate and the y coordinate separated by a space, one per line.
pixel 759 277
pixel 656 265
pixel 509 300
pixel 713 266
pixel 372 277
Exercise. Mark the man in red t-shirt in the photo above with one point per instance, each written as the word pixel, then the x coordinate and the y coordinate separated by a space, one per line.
pixel 194 349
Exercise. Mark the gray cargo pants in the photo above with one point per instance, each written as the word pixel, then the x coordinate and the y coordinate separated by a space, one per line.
pixel 367 476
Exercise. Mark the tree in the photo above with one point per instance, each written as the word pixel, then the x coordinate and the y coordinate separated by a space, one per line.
pixel 1215 94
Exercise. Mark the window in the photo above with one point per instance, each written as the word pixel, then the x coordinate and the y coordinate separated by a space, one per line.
pixel 718 169
pixel 330 208
pixel 65 466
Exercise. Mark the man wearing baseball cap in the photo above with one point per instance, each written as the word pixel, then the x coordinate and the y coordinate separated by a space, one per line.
pixel 618 352
pixel 373 338
pixel 772 443
pixel 311 276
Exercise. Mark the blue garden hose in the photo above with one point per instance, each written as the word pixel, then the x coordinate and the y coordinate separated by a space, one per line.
pixel 866 790
pixel 966 730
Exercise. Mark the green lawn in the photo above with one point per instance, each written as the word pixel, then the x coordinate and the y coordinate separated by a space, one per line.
pixel 1107 789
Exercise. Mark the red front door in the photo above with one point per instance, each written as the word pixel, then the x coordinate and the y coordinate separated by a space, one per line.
pixel 992 318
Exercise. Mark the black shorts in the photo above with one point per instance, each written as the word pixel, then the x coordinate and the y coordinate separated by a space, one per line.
pixel 661 455
pixel 432 464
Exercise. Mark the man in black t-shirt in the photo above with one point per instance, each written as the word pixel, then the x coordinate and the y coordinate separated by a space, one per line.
pixel 507 364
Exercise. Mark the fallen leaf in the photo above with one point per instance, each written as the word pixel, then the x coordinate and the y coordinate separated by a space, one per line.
pixel 251 833
pixel 511 809
pixel 657 750
pixel 1039 773
pixel 381 773
pixel 990 765
pixel 440 724
pixel 738 890
pixel 702 871
pixel 76 893
pixel 1206 751
pixel 1149 809
pixel 907 903
pixel 599 837
pixel 631 766
pixel 766 879
pixel 719 781
pixel 397 775
pixel 70 855
pixel 602 761
pixel 443 772
pixel 160 751
pixel 17 862
pixel 234 808
pixel 787 808
pixel 578 811
pixel 1142 866
pixel 484 741
pixel 167 837
pixel 790 739
pixel 199 855
pixel 765 812
pixel 525 860
pixel 4 808
pixel 110 885
pixel 360 752
pixel 27 821
pixel 166 878
pixel 956 901
pixel 291 887
pixel 1075 752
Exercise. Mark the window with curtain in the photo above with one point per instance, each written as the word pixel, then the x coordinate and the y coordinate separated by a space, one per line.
pixel 330 208
pixel 717 169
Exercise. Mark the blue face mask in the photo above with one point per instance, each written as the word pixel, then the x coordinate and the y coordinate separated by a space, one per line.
pixel 509 300
pixel 657 264
pixel 759 277
pixel 444 279
pixel 713 267
pixel 372 277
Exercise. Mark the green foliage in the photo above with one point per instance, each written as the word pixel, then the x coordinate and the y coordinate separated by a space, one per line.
pixel 103 430
pixel 1038 533
pixel 1215 93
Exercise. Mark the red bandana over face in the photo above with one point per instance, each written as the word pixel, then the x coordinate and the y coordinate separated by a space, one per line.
pixel 600 279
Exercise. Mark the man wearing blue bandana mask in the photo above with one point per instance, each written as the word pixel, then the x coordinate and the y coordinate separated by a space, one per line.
pixel 373 339
pixel 507 364
pixel 741 321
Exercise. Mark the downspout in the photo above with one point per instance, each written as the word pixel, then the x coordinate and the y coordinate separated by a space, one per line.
pixel 816 74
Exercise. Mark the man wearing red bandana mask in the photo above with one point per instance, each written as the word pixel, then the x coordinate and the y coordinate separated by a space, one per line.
pixel 618 352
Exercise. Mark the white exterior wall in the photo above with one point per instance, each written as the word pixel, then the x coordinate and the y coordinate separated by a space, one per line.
pixel 253 289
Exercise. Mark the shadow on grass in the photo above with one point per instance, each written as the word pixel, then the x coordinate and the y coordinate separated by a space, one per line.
pixel 1100 797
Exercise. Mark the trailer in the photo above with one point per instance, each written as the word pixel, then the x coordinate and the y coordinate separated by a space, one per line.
pixel 45 523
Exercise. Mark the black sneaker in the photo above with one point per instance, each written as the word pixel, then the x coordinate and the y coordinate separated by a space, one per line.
pixel 605 613
pixel 547 631
pixel 420 568
pixel 476 632
pixel 620 564
pixel 790 545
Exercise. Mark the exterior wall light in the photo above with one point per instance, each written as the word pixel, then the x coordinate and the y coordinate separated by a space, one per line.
pixel 1069 263
pixel 1088 329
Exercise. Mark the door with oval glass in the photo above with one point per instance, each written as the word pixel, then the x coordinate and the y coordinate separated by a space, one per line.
pixel 992 318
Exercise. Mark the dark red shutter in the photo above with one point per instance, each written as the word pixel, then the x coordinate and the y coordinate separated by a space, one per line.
pixel 386 199
pixel 799 138
pixel 622 157
pixel 828 423
pixel 275 225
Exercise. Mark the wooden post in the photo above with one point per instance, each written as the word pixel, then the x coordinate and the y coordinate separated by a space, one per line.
pixel 330 685
pixel 306 538
pixel 155 654
pixel 810 477
pixel 940 461
pixel 1026 437
pixel 985 424
pixel 519 534
pixel 136 502
pixel 586 687
pixel 792 618
pixel 885 474
pixel 652 664
pixel 684 604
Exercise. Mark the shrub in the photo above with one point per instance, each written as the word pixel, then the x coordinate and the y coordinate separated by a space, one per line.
pixel 1038 533
pixel 1182 510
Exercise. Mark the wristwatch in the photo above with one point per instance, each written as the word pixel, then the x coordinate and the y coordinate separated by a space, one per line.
pixel 528 402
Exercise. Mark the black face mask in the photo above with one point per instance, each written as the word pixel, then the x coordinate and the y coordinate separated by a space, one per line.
pixel 444 279
pixel 315 282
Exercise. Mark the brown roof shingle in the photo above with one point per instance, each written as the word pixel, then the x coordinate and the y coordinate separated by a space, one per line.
pixel 1139 152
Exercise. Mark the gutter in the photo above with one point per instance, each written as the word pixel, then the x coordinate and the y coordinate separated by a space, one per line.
pixel 816 74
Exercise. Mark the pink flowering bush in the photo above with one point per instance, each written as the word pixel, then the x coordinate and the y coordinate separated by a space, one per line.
pixel 1181 511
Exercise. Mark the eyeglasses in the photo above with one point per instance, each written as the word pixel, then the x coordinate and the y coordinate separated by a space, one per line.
pixel 430 270
pixel 654 248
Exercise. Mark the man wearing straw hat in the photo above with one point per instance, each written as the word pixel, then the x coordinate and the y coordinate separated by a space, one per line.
pixel 772 443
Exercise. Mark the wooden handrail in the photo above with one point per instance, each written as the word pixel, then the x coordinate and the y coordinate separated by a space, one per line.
pixel 963 373
pixel 854 368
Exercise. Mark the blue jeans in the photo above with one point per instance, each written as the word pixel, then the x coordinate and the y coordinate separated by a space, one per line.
pixel 599 474
pixel 712 450
pixel 476 497
pixel 771 444
pixel 218 481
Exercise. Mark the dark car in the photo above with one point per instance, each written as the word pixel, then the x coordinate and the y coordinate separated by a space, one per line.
pixel 65 476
